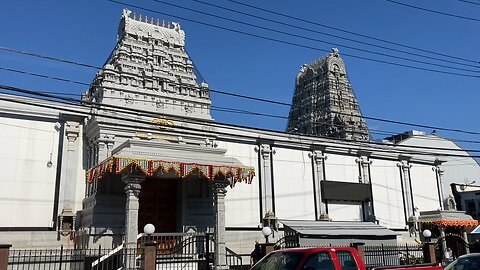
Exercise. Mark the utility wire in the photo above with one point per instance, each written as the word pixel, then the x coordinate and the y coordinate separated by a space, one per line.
pixel 47 57
pixel 137 112
pixel 470 2
pixel 293 43
pixel 435 11
pixel 262 100
pixel 139 121
pixel 352 33
pixel 318 32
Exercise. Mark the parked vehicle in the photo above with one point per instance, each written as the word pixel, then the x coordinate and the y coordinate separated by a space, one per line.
pixel 324 258
pixel 465 262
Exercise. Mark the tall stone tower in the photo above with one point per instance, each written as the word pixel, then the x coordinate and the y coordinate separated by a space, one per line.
pixel 323 103
pixel 150 70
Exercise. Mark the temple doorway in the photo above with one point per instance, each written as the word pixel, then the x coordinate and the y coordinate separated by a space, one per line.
pixel 158 204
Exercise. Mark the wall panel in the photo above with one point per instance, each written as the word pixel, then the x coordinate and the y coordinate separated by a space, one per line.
pixel 293 184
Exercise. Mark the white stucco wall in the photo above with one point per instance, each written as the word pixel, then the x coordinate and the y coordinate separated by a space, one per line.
pixel 387 193
pixel 341 168
pixel 459 170
pixel 345 211
pixel 424 187
pixel 293 182
pixel 242 202
pixel 28 184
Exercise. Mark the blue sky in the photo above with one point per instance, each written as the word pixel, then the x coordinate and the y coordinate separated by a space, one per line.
pixel 85 31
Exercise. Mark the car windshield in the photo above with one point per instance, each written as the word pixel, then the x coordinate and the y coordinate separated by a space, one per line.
pixel 466 263
pixel 279 261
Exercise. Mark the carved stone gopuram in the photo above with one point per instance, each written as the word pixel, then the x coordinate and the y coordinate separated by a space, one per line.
pixel 323 102
pixel 150 70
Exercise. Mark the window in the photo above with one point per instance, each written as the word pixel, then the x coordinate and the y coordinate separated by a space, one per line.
pixel 319 261
pixel 346 260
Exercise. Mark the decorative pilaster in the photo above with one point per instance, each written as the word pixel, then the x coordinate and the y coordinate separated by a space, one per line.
pixel 318 159
pixel 219 192
pixel 405 166
pixel 364 163
pixel 132 190
pixel 72 131
pixel 443 241
pixel 266 174
pixel 439 174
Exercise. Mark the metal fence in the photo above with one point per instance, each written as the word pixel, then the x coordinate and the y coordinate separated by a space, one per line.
pixel 73 259
pixel 390 255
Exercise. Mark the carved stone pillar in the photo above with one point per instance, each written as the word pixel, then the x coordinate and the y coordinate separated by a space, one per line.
pixel 364 163
pixel 443 240
pixel 318 159
pixel 132 190
pixel 219 193
pixel 407 194
pixel 266 174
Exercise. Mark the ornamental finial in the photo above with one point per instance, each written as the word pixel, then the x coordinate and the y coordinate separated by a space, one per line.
pixel 151 20
pixel 134 16
pixel 158 22
pixel 146 19
pixel 163 23
pixel 140 17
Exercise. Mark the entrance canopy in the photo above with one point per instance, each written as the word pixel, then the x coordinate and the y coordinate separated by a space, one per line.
pixel 447 218
pixel 182 160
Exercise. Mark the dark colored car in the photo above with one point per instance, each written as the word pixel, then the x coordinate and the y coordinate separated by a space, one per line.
pixel 465 262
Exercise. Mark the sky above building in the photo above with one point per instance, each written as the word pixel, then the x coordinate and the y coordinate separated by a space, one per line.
pixel 246 57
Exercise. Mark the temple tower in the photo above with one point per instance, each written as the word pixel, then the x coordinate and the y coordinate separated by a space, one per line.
pixel 323 102
pixel 150 70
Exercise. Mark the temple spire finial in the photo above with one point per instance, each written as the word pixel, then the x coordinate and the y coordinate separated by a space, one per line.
pixel 134 16
pixel 140 17
pixel 158 22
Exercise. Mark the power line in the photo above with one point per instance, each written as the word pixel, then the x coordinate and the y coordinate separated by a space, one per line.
pixel 434 11
pixel 113 108
pixel 296 44
pixel 48 57
pixel 470 2
pixel 352 33
pixel 267 101
pixel 318 32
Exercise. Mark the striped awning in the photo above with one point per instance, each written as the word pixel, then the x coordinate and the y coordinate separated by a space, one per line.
pixel 118 164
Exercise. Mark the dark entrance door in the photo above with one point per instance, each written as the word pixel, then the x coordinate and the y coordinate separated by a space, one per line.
pixel 158 204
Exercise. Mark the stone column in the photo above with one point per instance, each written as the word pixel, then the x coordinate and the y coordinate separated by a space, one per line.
pixel 465 239
pixel 319 175
pixel 266 174
pixel 364 177
pixel 407 196
pixel 220 254
pixel 132 189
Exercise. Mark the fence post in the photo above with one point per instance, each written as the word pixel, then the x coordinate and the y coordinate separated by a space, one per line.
pixel 429 253
pixel 61 257
pixel 150 253
pixel 207 250
pixel 360 247
pixel 4 251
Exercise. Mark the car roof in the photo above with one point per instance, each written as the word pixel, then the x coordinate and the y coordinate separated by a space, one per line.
pixel 470 255
pixel 313 249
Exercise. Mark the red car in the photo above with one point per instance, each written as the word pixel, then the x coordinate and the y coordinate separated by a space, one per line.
pixel 322 258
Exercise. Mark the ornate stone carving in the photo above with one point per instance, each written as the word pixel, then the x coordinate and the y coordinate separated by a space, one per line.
pixel 324 104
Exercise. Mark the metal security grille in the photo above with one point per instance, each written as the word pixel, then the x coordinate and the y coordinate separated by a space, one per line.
pixel 73 259
pixel 390 255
